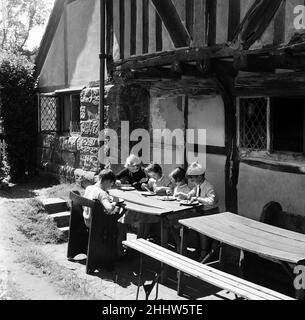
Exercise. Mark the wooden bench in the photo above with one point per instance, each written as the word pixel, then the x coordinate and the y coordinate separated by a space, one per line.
pixel 241 288
pixel 100 242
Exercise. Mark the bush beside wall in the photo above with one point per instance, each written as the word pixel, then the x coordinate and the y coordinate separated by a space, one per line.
pixel 18 112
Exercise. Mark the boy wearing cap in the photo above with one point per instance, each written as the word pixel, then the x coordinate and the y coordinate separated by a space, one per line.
pixel 204 192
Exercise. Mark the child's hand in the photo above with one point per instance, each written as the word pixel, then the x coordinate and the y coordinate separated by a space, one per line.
pixel 118 183
pixel 168 192
pixel 144 186
pixel 143 180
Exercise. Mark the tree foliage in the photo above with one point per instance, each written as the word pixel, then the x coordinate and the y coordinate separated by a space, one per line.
pixel 17 19
pixel 18 113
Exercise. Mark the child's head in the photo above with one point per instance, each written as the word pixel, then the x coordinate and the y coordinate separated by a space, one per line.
pixel 106 179
pixel 154 171
pixel 178 176
pixel 133 163
pixel 196 173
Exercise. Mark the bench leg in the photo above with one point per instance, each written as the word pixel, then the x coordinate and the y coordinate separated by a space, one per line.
pixel 140 276
pixel 183 251
pixel 212 252
pixel 164 243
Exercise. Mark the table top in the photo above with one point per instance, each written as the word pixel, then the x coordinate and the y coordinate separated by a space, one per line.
pixel 135 201
pixel 251 235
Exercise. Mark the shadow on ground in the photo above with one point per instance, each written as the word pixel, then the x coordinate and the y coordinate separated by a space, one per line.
pixel 127 270
pixel 25 190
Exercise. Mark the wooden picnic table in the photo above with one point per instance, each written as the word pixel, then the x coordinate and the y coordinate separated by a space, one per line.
pixel 167 211
pixel 286 247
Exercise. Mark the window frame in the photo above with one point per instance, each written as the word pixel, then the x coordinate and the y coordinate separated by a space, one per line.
pixel 60 96
pixel 57 117
pixel 269 153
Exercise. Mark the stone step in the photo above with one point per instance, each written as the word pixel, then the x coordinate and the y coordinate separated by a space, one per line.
pixel 55 205
pixel 61 219
pixel 65 233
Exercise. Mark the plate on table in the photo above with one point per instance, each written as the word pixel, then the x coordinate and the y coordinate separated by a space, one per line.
pixel 127 188
pixel 148 194
pixel 167 198
pixel 189 203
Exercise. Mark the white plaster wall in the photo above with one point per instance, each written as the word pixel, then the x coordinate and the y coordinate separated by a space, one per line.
pixel 207 112
pixel 258 186
pixel 53 70
pixel 204 112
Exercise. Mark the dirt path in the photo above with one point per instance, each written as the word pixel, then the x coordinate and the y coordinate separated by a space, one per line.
pixel 17 280
pixel 30 271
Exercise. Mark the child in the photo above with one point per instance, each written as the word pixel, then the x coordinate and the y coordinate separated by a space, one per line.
pixel 203 192
pixel 157 183
pixel 178 179
pixel 133 173
pixel 99 191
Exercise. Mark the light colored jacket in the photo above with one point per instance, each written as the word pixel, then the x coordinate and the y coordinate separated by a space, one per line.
pixel 206 194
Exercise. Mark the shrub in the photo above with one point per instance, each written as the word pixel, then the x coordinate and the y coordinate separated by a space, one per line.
pixel 18 113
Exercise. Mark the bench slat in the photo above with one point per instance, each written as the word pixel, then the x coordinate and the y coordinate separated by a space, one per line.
pixel 220 275
pixel 199 266
pixel 213 276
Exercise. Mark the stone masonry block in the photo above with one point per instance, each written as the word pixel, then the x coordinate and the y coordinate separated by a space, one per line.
pixel 89 128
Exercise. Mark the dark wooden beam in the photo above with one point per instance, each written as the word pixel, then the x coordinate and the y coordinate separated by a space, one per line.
pixel 275 166
pixel 234 18
pixel 159 42
pixel 211 7
pixel 279 25
pixel 133 27
pixel 270 84
pixel 269 63
pixel 225 77
pixel 109 35
pixel 256 22
pixel 172 22
pixel 189 16
pixel 191 70
pixel 145 18
pixel 122 28
pixel 155 73
pixel 170 57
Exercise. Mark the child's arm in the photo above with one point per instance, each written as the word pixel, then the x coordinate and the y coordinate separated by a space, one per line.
pixel 162 190
pixel 108 205
pixel 210 198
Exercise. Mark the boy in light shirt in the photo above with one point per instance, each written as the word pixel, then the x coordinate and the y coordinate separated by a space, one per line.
pixel 99 191
pixel 205 193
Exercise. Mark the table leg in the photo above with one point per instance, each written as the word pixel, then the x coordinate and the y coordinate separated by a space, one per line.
pixel 183 251
pixel 140 276
pixel 164 243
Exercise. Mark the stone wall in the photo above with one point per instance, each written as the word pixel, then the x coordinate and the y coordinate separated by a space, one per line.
pixel 75 158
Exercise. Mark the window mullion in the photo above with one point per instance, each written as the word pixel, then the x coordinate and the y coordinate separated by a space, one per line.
pixel 269 147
